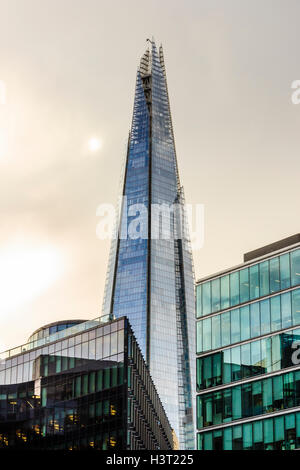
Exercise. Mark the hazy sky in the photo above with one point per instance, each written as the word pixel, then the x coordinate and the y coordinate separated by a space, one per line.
pixel 69 68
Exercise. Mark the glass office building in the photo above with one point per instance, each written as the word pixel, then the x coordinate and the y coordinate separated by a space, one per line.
pixel 150 273
pixel 248 365
pixel 84 387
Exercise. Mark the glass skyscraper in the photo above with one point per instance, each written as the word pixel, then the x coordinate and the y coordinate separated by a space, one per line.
pixel 150 274
pixel 248 364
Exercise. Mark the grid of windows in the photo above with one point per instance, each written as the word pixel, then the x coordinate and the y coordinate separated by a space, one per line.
pixel 247 341
pixel 252 320
pixel 258 280
pixel 249 399
pixel 78 398
pixel 248 360
pixel 278 433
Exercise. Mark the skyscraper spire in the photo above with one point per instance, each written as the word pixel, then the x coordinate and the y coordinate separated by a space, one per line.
pixel 150 274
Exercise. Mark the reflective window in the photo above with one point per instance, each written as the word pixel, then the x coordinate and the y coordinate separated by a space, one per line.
pixel 247 360
pixel 250 321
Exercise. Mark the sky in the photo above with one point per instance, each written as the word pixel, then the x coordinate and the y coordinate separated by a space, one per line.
pixel 67 75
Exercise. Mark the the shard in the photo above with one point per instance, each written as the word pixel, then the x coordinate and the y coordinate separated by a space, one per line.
pixel 150 273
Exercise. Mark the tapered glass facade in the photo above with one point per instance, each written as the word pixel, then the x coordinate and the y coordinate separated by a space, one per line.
pixel 248 363
pixel 85 387
pixel 150 273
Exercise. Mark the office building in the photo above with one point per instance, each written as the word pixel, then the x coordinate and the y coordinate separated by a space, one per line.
pixel 80 385
pixel 248 363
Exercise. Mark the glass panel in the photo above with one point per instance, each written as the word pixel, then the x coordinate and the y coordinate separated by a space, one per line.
pixel 206 334
pixel 245 323
pixel 216 332
pixel 236 363
pixel 275 313
pixel 216 300
pixel 267 396
pixel 268 434
pixel 296 306
pixel 255 358
pixel 244 285
pixel 265 316
pixel 235 326
pixel 234 288
pixel 264 278
pixel 227 439
pixel 258 435
pixel 206 298
pixel 199 301
pixel 254 282
pixel 255 320
pixel 286 310
pixel 225 292
pixel 285 274
pixel 207 371
pixel 227 366
pixel 278 392
pixel 295 267
pixel 199 337
pixel 246 360
pixel 247 436
pixel 274 275
pixel 236 402
pixel 225 328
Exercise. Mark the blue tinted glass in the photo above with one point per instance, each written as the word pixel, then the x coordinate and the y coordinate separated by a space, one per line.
pixel 285 271
pixel 216 332
pixel 264 278
pixel 234 288
pixel 295 267
pixel 274 275
pixel 296 307
pixel 206 298
pixel 216 293
pixel 224 292
pixel 225 328
pixel 254 282
pixel 206 334
pixel 199 301
pixel 265 316
pixel 244 285
pixel 286 310
pixel 275 313
pixel 255 319
pixel 245 323
pixel 235 326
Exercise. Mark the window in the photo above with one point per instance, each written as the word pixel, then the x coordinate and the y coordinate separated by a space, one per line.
pixel 245 323
pixel 206 298
pixel 199 301
pixel 295 267
pixel 234 288
pixel 224 292
pixel 244 285
pixel 206 334
pixel 274 275
pixel 254 282
pixel 216 301
pixel 285 274
pixel 264 278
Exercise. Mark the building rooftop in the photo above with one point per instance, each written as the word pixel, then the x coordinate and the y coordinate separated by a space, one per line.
pixel 275 246
pixel 258 255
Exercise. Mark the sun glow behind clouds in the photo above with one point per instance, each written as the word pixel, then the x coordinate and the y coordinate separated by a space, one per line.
pixel 94 144
pixel 26 270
